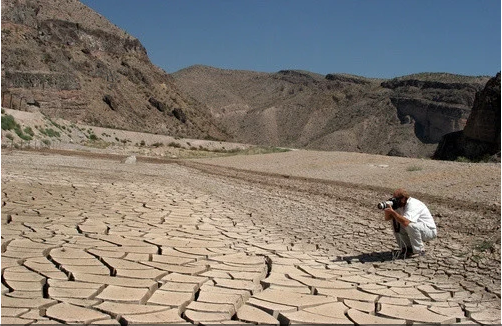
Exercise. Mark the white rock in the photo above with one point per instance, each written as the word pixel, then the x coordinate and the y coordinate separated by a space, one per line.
pixel 130 160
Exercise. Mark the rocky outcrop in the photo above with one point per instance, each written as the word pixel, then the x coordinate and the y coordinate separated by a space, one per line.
pixel 41 80
pixel 481 136
pixel 179 114
pixel 157 104
pixel 484 122
pixel 108 99
pixel 432 119
pixel 436 107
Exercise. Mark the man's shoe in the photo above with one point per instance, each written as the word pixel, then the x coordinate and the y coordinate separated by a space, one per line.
pixel 417 254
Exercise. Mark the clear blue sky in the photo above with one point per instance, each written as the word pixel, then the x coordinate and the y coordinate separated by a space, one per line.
pixel 371 38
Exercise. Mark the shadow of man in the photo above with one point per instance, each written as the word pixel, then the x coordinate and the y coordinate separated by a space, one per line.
pixel 370 257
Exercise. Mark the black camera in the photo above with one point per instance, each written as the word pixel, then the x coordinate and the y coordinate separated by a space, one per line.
pixel 392 202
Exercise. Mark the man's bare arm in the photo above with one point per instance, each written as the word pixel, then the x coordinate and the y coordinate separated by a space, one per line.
pixel 390 213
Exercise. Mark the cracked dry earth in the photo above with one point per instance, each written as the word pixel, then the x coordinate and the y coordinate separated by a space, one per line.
pixel 91 240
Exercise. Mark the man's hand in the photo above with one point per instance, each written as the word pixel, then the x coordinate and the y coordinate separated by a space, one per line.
pixel 390 214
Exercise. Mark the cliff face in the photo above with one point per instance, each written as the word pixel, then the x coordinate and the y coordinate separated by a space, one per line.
pixel 437 107
pixel 68 61
pixel 483 123
pixel 481 135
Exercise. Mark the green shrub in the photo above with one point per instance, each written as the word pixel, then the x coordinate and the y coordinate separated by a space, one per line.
pixel 8 122
pixel 21 135
pixel 29 131
pixel 55 124
pixel 50 132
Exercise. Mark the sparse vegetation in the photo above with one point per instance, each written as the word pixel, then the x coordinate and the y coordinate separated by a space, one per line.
pixel 244 151
pixel 53 123
pixel 258 150
pixel 22 135
pixel 29 131
pixel 484 159
pixel 414 168
pixel 485 245
pixel 463 159
pixel 49 132
pixel 8 122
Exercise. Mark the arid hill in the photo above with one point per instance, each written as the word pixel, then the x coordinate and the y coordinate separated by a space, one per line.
pixel 68 61
pixel 405 116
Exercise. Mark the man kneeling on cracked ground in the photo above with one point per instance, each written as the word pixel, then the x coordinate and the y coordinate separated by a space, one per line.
pixel 413 223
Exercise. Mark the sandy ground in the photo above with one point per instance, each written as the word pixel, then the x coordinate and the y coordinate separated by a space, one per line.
pixel 455 180
pixel 470 182
pixel 85 202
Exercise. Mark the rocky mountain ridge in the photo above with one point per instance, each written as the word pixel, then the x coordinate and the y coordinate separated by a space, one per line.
pixel 405 116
